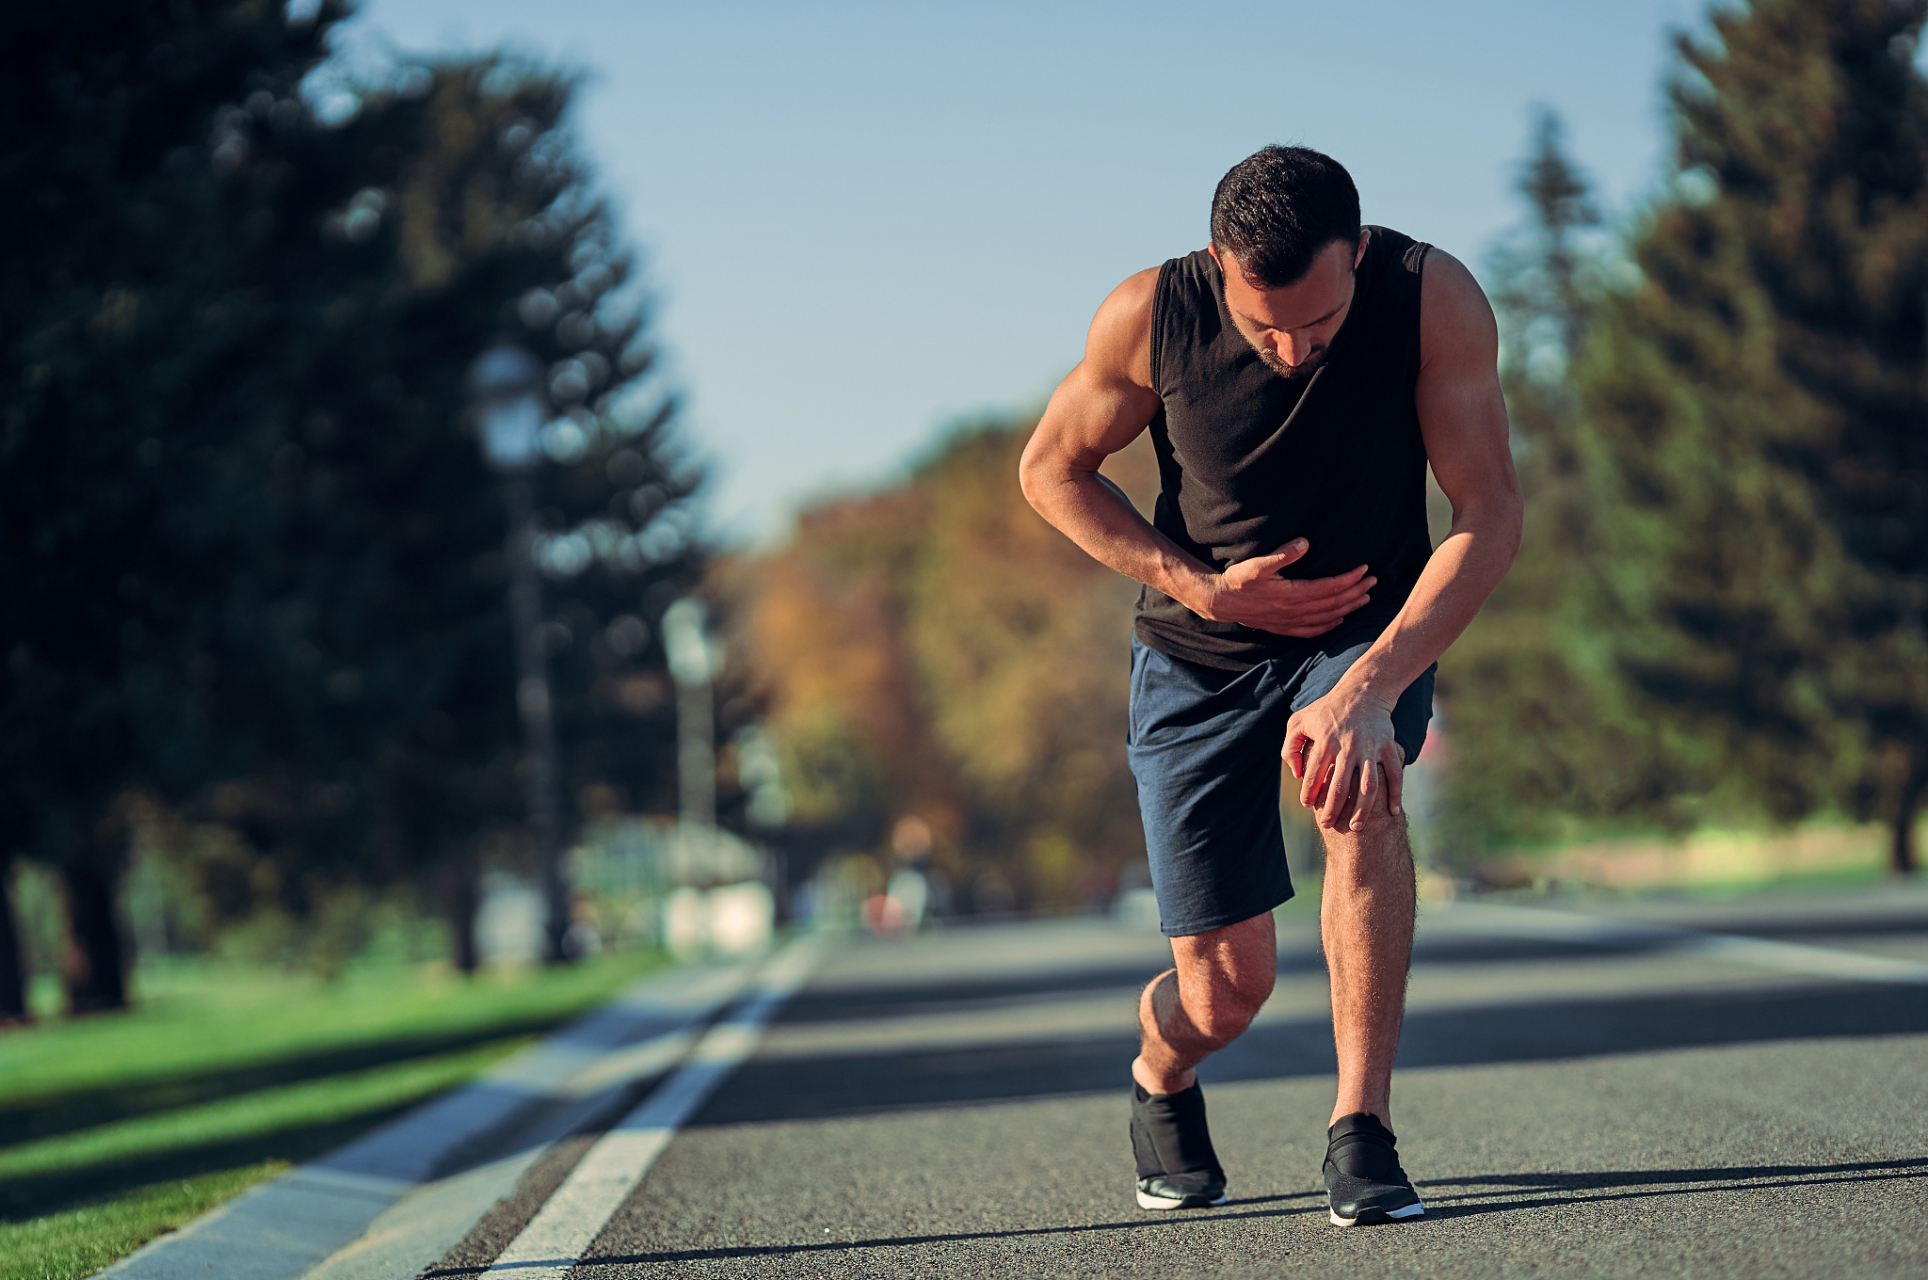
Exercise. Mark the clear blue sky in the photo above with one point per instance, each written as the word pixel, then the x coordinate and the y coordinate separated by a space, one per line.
pixel 867 220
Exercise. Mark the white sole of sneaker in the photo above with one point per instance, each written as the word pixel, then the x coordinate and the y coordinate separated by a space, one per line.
pixel 1161 1202
pixel 1413 1210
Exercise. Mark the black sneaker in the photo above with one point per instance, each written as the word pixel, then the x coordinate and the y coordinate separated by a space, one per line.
pixel 1362 1174
pixel 1177 1168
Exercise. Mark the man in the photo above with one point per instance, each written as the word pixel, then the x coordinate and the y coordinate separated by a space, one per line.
pixel 1297 377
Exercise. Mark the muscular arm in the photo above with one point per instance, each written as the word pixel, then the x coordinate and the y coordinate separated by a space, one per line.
pixel 1463 418
pixel 1100 408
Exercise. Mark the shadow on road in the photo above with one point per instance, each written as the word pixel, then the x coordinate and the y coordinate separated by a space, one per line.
pixel 886 1242
pixel 1645 1183
pixel 961 995
pixel 808 1087
pixel 845 1003
pixel 1639 1182
pixel 1794 929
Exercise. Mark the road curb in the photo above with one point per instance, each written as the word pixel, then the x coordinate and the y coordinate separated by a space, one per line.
pixel 396 1199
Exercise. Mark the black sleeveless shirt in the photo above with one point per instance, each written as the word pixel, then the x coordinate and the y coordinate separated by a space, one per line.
pixel 1249 460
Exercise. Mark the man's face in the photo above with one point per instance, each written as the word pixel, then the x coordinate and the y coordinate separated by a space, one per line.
pixel 1289 327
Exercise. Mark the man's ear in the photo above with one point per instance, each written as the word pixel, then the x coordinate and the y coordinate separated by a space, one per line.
pixel 1365 238
pixel 1216 260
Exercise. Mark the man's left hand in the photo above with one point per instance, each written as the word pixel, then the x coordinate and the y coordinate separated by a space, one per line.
pixel 1342 743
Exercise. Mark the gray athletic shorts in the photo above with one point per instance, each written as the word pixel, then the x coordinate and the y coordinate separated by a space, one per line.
pixel 1204 746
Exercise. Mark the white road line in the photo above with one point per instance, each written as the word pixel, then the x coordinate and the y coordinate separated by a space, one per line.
pixel 556 1238
pixel 1762 953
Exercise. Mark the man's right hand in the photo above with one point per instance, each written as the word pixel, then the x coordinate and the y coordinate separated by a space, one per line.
pixel 1252 594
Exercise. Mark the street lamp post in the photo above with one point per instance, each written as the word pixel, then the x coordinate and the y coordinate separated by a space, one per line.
pixel 690 661
pixel 507 384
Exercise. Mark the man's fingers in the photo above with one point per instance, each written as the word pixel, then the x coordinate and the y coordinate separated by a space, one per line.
pixel 1310 590
pixel 1339 788
pixel 1338 582
pixel 1385 774
pixel 1290 551
pixel 1264 566
pixel 1300 613
pixel 1368 793
pixel 1323 617
pixel 1267 565
pixel 1296 741
pixel 1313 766
pixel 1315 626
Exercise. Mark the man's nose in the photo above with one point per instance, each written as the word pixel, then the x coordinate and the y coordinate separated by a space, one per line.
pixel 1293 349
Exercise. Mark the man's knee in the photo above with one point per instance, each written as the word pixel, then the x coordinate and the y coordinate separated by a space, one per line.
pixel 1221 1003
pixel 1222 977
pixel 1379 849
pixel 1223 1022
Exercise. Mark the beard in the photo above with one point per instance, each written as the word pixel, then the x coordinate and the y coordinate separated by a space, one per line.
pixel 1291 372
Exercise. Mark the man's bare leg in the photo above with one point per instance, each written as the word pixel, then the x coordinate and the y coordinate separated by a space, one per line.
pixel 1218 982
pixel 1366 925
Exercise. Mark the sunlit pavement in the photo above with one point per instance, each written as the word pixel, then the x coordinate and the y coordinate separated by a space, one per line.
pixel 1628 1103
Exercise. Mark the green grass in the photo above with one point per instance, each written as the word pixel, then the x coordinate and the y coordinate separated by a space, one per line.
pixel 114 1129
pixel 79 1242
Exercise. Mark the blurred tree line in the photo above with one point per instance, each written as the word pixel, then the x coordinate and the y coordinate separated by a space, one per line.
pixel 1721 423
pixel 938 652
pixel 1723 431
pixel 255 564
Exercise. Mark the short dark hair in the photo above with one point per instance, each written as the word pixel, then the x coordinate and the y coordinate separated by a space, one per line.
pixel 1278 208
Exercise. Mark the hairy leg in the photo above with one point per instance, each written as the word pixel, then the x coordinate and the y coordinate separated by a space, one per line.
pixel 1218 982
pixel 1366 925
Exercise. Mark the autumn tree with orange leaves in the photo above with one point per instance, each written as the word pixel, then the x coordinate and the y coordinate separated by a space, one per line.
pixel 938 651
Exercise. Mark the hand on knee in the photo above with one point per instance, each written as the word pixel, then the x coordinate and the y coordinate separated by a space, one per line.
pixel 1375 823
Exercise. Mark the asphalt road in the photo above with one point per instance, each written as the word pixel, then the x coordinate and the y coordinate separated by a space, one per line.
pixel 1605 1103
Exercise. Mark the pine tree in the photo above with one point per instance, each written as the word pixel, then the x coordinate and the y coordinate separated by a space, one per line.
pixel 113 344
pixel 369 653
pixel 254 560
pixel 1538 733
pixel 1756 421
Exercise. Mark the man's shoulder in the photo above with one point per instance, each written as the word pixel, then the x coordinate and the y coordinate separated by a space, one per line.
pixel 1403 252
pixel 1192 276
pixel 1449 292
pixel 1125 314
pixel 1456 322
pixel 1138 288
pixel 1129 312
pixel 1118 345
pixel 1185 272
